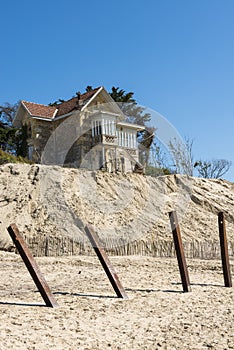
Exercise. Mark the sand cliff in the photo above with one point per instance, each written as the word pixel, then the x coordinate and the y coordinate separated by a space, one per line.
pixel 55 202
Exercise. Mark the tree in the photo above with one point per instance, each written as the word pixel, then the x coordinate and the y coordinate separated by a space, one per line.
pixel 7 139
pixel 120 95
pixel 12 140
pixel 158 161
pixel 7 113
pixel 133 112
pixel 182 156
pixel 212 169
pixel 7 132
pixel 158 156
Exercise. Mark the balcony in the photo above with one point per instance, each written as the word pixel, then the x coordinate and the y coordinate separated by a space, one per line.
pixel 108 132
pixel 109 140
pixel 126 139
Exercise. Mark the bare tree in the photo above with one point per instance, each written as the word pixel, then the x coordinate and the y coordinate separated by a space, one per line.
pixel 182 156
pixel 212 169
pixel 7 113
pixel 158 160
pixel 158 157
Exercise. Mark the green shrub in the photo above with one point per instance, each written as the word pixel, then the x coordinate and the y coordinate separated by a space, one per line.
pixel 10 158
pixel 155 172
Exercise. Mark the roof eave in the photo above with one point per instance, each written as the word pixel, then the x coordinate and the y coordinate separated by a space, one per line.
pixel 66 115
pixel 132 126
pixel 92 98
pixel 42 118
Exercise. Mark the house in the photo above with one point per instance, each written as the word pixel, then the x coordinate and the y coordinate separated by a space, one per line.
pixel 88 131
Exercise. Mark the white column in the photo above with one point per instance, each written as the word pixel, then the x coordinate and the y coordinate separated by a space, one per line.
pixel 106 127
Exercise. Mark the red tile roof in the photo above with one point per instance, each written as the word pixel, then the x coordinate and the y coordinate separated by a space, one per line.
pixel 38 110
pixel 50 112
pixel 75 104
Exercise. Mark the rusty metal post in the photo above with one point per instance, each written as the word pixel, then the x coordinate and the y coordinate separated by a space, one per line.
pixel 106 264
pixel 180 252
pixel 224 250
pixel 32 266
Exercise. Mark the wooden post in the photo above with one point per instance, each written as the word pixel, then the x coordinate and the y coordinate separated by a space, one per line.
pixel 32 266
pixel 224 250
pixel 106 264
pixel 180 252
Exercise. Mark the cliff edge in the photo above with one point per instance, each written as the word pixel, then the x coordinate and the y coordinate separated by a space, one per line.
pixel 50 202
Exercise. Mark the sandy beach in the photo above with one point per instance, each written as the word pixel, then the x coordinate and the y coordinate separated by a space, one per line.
pixel 157 315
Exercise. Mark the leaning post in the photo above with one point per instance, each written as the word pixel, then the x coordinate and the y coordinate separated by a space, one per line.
pixel 180 252
pixel 224 250
pixel 106 264
pixel 32 266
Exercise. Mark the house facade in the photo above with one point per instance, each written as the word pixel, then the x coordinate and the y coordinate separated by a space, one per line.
pixel 87 131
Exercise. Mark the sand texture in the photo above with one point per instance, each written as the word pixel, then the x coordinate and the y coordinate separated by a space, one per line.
pixel 158 315
pixel 50 204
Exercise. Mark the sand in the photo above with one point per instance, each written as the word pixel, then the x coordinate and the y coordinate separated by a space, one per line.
pixel 157 315
pixel 50 201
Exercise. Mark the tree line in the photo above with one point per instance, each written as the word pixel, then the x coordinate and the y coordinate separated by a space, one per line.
pixel 157 161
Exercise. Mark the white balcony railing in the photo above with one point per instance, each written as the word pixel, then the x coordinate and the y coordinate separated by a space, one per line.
pixel 107 129
pixel 126 139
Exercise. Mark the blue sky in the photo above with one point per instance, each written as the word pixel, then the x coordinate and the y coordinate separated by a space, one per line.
pixel 176 55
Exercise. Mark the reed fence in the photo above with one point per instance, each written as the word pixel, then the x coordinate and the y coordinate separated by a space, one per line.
pixel 65 246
